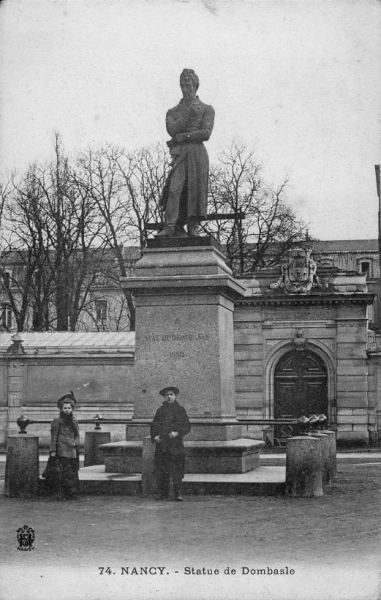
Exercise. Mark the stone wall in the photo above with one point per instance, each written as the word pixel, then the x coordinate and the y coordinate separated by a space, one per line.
pixel 32 385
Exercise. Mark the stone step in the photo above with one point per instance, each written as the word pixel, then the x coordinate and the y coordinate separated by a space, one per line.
pixel 264 481
pixel 342 457
pixel 222 456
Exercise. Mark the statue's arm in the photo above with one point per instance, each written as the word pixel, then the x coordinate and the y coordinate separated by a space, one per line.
pixel 176 121
pixel 204 133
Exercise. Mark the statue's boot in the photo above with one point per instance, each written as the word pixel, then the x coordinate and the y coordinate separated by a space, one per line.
pixel 180 231
pixel 194 229
pixel 168 231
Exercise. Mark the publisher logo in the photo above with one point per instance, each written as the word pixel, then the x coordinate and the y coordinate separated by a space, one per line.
pixel 25 538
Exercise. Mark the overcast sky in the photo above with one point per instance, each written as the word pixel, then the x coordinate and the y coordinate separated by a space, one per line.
pixel 299 82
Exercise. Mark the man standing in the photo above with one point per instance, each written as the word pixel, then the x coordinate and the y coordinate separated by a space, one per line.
pixel 185 193
pixel 169 426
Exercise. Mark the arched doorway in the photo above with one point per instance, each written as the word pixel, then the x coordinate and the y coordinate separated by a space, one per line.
pixel 300 386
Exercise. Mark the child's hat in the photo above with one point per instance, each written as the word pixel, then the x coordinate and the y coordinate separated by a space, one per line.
pixel 169 388
pixel 67 399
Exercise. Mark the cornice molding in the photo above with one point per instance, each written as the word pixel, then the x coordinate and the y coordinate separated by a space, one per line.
pixel 307 300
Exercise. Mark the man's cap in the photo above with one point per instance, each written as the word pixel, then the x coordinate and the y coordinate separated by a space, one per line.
pixel 169 388
pixel 66 399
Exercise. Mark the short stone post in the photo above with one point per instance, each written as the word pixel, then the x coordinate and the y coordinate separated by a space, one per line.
pixel 324 440
pixel 304 470
pixel 148 460
pixel 22 467
pixel 93 454
pixel 331 452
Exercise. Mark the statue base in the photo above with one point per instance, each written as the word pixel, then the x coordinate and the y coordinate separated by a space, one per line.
pixel 190 241
pixel 232 456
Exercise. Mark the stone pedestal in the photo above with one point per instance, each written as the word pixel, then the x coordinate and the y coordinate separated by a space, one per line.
pixel 332 458
pixel 304 469
pixel 325 456
pixel 184 294
pixel 93 454
pixel 22 467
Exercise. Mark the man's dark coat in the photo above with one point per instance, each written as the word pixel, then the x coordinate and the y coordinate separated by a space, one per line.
pixel 170 417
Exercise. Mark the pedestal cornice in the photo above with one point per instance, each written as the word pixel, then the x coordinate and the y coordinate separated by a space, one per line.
pixel 192 284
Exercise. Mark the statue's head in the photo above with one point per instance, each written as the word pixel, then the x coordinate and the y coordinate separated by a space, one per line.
pixel 189 82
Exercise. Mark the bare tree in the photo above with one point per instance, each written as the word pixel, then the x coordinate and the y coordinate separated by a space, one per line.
pixel 23 259
pixel 51 224
pixel 126 189
pixel 269 227
pixel 98 175
pixel 144 173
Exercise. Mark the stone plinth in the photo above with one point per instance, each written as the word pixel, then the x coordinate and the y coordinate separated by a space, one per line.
pixel 233 456
pixel 329 459
pixel 122 457
pixel 184 332
pixel 325 455
pixel 304 467
pixel 22 467
pixel 94 439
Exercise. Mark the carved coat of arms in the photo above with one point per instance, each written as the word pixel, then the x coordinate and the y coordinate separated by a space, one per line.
pixel 298 272
pixel 25 538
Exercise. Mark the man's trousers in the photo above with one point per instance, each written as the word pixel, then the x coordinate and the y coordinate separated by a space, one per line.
pixel 169 467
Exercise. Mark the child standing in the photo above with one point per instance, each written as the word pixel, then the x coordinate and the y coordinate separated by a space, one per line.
pixel 64 445
pixel 170 425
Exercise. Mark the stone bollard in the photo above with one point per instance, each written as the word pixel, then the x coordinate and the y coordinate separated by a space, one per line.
pixel 304 470
pixel 22 467
pixel 324 441
pixel 93 439
pixel 331 452
pixel 148 460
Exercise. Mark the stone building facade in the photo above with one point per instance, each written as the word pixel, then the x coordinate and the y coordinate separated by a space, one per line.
pixel 306 355
pixel 310 350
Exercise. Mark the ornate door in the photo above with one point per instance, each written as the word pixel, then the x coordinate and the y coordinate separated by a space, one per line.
pixel 300 388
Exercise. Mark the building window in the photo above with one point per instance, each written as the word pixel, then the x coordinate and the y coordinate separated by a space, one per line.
pixel 6 278
pixel 101 310
pixel 6 317
pixel 365 267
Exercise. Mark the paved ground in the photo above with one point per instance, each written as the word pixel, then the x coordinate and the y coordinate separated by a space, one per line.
pixel 333 544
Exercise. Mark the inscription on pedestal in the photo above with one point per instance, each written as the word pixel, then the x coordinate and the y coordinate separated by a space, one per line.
pixel 177 337
pixel 305 314
pixel 176 344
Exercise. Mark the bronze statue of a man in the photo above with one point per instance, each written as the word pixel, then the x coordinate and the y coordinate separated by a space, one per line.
pixel 189 124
